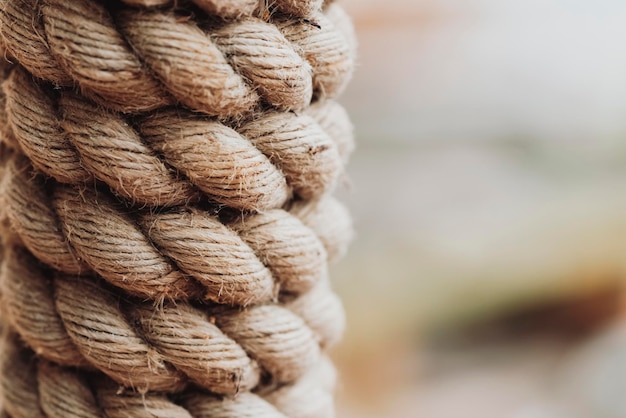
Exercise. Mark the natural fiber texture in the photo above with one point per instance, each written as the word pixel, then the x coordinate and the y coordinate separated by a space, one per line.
pixel 163 162
pixel 78 323
pixel 28 208
pixel 229 9
pixel 174 254
pixel 37 388
pixel 123 61
pixel 166 209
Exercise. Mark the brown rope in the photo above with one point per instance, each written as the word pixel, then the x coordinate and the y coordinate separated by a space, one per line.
pixel 77 322
pixel 240 8
pixel 272 155
pixel 165 207
pixel 37 388
pixel 173 254
pixel 122 62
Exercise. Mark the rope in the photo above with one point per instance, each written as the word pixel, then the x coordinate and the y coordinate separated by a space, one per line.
pixel 72 315
pixel 273 156
pixel 37 388
pixel 166 209
pixel 122 62
pixel 174 254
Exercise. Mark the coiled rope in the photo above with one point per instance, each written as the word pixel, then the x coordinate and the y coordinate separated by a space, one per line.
pixel 167 170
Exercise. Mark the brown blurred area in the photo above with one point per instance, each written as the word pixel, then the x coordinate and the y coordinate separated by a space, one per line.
pixel 489 197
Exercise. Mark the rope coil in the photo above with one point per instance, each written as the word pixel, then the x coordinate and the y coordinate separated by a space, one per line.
pixel 123 63
pixel 166 209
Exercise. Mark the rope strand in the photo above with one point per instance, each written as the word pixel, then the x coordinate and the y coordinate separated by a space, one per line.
pixel 79 323
pixel 164 163
pixel 123 62
pixel 166 210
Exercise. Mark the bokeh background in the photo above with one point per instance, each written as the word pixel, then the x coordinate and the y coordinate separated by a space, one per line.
pixel 489 197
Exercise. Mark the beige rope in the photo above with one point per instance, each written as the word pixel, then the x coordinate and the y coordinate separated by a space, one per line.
pixel 38 388
pixel 166 208
pixel 18 380
pixel 239 8
pixel 123 63
pixel 170 254
pixel 272 156
pixel 28 208
pixel 138 346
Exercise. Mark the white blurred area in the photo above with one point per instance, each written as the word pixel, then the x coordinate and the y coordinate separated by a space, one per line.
pixel 465 70
pixel 490 178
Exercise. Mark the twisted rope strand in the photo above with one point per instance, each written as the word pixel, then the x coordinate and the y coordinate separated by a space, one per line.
pixel 83 322
pixel 308 156
pixel 309 397
pixel 23 36
pixel 111 150
pixel 237 174
pixel 291 251
pixel 261 54
pixel 242 264
pixel 102 334
pixel 65 394
pixel 214 255
pixel 166 235
pixel 184 336
pixel 329 52
pixel 255 168
pixel 57 392
pixel 246 405
pixel 118 402
pixel 178 338
pixel 343 23
pixel 279 340
pixel 18 380
pixel 41 389
pixel 22 281
pixel 334 120
pixel 236 9
pixel 7 142
pixel 29 114
pixel 331 222
pixel 28 209
pixel 322 311
pixel 100 60
pixel 202 81
pixel 96 56
pixel 122 254
pixel 230 270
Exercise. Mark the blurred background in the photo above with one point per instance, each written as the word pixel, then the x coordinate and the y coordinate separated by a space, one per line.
pixel 489 197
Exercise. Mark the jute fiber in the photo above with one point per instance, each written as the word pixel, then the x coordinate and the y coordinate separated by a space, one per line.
pixel 166 209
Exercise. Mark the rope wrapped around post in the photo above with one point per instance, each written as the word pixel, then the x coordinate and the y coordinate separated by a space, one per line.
pixel 166 209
